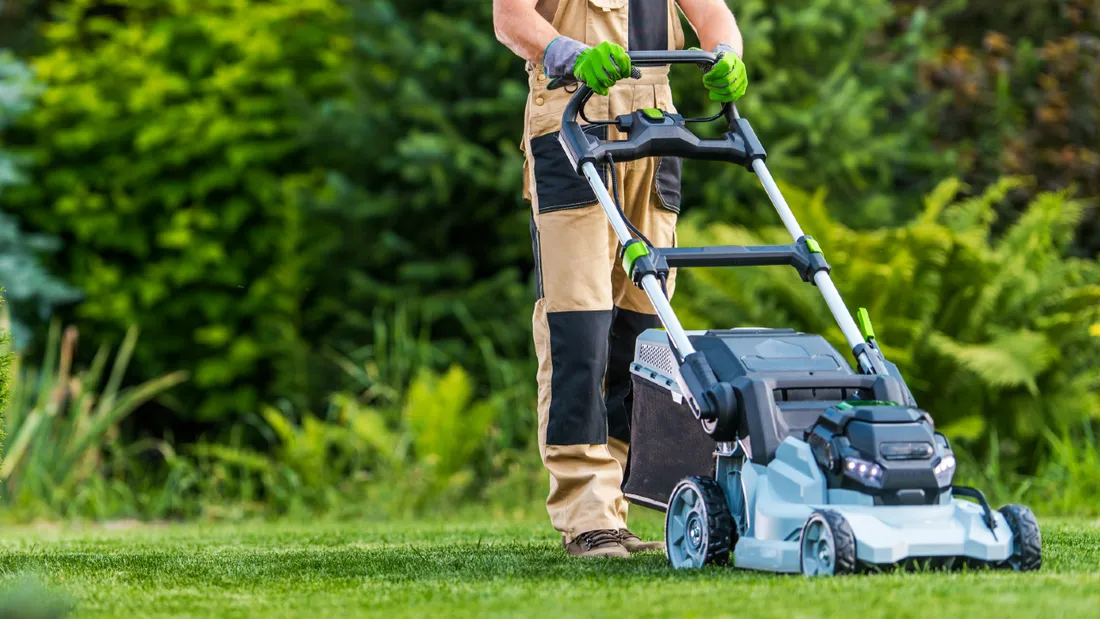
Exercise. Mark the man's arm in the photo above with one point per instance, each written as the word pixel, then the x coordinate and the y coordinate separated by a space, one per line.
pixel 522 29
pixel 714 23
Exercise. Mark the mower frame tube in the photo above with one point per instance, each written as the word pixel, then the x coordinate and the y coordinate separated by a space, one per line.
pixel 650 284
pixel 822 279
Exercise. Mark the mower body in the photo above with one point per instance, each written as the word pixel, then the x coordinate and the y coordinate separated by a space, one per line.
pixel 774 502
pixel 797 431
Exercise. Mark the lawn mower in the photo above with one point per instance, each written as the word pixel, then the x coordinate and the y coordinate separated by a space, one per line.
pixel 765 445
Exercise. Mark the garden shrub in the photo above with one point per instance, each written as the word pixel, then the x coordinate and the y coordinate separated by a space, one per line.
pixel 31 292
pixel 168 153
pixel 1022 86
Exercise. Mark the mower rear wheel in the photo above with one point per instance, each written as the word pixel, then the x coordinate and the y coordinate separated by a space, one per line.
pixel 827 546
pixel 698 526
pixel 1027 542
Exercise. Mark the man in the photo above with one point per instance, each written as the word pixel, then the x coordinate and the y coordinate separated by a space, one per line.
pixel 588 314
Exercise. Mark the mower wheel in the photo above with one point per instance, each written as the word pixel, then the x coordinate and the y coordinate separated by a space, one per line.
pixel 1027 542
pixel 698 526
pixel 827 546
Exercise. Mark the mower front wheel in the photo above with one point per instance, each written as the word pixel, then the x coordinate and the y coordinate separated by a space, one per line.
pixel 827 546
pixel 1027 542
pixel 698 525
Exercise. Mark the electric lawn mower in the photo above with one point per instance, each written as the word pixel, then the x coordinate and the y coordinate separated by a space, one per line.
pixel 765 444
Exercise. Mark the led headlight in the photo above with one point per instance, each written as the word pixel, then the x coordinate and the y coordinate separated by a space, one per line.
pixel 907 451
pixel 945 469
pixel 867 473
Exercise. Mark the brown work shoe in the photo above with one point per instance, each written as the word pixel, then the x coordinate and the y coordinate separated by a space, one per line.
pixel 598 543
pixel 634 544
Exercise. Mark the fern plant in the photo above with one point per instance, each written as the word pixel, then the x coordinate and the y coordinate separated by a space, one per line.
pixel 993 334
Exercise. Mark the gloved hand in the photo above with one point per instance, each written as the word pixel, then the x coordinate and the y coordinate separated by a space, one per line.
pixel 599 67
pixel 727 80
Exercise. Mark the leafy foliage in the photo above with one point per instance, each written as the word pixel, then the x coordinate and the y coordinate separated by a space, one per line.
pixel 355 454
pixel 422 205
pixel 168 149
pixel 991 335
pixel 6 358
pixel 64 454
pixel 1023 89
pixel 31 292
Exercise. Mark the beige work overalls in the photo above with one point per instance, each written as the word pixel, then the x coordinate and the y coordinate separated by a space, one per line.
pixel 588 314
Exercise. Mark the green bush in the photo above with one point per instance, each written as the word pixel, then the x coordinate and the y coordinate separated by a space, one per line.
pixel 168 150
pixel 423 206
pixel 31 292
pixel 993 335
pixel 357 455
pixel 1020 82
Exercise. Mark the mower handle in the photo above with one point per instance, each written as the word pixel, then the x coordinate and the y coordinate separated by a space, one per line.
pixel 652 133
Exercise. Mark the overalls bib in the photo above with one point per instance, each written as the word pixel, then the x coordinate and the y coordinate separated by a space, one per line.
pixel 588 313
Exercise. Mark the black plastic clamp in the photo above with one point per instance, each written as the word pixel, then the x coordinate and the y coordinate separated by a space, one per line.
pixel 808 259
pixel 640 260
pixel 753 148
pixel 874 355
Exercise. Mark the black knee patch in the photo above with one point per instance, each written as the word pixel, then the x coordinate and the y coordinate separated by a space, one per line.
pixel 578 352
pixel 626 326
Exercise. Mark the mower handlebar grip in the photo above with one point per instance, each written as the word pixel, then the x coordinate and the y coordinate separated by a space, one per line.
pixel 656 136
pixel 648 58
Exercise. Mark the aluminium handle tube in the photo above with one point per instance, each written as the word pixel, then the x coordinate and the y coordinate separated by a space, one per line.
pixel 822 279
pixel 650 284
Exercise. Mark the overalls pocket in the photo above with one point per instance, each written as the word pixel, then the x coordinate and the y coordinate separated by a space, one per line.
pixel 558 186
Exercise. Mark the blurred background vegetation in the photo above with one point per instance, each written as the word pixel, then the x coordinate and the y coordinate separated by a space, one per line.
pixel 268 257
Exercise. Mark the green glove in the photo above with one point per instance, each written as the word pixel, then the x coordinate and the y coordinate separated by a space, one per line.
pixel 727 80
pixel 601 66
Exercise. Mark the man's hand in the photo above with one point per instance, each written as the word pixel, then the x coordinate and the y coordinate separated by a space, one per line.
pixel 601 66
pixel 727 80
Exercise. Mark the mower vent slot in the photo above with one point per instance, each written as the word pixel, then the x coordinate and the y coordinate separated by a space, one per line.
pixel 658 358
pixel 821 395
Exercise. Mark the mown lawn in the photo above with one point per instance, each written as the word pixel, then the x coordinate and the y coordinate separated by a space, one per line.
pixel 485 569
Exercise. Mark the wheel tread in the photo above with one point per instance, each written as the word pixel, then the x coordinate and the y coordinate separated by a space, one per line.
pixel 1025 531
pixel 844 540
pixel 721 534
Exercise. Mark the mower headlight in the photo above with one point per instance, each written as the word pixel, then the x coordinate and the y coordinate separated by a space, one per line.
pixel 945 469
pixel 867 473
pixel 907 451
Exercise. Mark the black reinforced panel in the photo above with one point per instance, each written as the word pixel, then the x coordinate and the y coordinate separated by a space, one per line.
pixel 578 352
pixel 626 326
pixel 536 249
pixel 667 180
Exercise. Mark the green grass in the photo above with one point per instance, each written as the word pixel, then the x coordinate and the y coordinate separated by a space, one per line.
pixel 483 569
